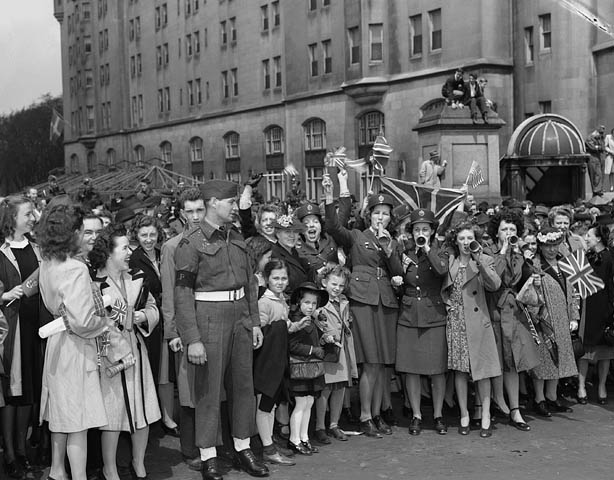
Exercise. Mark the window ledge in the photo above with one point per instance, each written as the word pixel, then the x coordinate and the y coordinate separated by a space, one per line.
pixel 417 56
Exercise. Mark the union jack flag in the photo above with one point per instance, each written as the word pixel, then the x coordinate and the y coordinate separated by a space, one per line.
pixel 581 274
pixel 442 201
pixel 118 313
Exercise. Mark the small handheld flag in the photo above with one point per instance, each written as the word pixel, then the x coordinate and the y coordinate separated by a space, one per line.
pixel 581 274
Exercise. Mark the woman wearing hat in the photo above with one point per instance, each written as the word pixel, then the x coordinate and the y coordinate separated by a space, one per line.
pixel 287 229
pixel 517 350
pixel 376 259
pixel 314 246
pixel 556 319
pixel 421 331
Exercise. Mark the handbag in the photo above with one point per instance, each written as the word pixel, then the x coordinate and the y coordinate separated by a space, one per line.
pixel 608 335
pixel 578 346
pixel 302 368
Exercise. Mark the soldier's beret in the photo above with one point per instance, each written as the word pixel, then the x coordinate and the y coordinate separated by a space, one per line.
pixel 219 189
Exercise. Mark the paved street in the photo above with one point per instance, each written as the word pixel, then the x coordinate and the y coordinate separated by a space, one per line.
pixel 571 446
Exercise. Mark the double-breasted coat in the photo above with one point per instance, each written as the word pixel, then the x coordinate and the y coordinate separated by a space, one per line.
pixel 517 349
pixel 480 277
pixel 71 398
pixel 135 383
pixel 337 324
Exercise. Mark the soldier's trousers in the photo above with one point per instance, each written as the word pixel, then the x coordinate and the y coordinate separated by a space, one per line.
pixel 227 374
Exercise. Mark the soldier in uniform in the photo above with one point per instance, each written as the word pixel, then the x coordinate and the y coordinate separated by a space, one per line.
pixel 216 313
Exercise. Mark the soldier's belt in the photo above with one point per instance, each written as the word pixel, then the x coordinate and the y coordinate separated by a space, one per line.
pixel 221 296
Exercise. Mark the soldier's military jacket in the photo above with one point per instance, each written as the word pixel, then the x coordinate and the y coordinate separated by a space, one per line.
pixel 211 259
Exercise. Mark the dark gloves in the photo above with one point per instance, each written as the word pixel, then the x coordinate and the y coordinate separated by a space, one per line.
pixel 254 180
pixel 318 352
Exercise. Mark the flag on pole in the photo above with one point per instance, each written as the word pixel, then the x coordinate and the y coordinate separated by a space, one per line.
pixel 381 149
pixel 581 274
pixel 442 201
pixel 475 176
pixel 335 158
pixel 56 127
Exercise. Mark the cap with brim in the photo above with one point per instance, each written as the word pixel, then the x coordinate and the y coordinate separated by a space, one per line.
pixel 307 209
pixel 220 189
pixel 582 216
pixel 124 215
pixel 433 154
pixel 422 215
pixel 541 210
pixel 289 223
pixel 380 199
pixel 310 288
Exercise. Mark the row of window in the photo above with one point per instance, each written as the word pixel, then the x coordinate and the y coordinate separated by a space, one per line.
pixel 82 123
pixel 416 36
pixel 313 4
pixel 327 59
pixel 274 16
pixel 82 46
pixel 228 31
pixel 103 40
pixel 545 38
pixel 134 28
pixel 266 72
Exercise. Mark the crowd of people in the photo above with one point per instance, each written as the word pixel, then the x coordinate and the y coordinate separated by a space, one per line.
pixel 259 317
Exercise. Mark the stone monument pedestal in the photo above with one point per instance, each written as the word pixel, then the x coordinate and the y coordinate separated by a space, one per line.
pixel 460 142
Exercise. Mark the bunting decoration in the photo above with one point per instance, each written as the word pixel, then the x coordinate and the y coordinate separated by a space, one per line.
pixel 291 170
pixel 475 176
pixel 581 274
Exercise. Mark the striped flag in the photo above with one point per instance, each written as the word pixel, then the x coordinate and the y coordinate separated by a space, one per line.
pixel 56 127
pixel 475 177
pixel 442 201
pixel 581 274
pixel 381 149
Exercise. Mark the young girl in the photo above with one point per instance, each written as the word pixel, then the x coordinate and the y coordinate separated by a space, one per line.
pixel 305 342
pixel 270 361
pixel 335 328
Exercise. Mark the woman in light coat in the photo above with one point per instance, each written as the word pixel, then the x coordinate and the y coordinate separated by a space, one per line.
pixel 71 399
pixel 472 351
pixel 130 396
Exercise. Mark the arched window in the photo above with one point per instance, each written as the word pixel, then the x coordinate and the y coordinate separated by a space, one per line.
pixel 315 134
pixel 274 140
pixel 74 163
pixel 231 145
pixel 369 127
pixel 91 161
pixel 111 158
pixel 139 155
pixel 315 151
pixel 166 154
pixel 196 158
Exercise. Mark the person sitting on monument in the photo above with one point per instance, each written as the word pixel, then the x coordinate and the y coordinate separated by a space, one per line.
pixel 454 89
pixel 475 99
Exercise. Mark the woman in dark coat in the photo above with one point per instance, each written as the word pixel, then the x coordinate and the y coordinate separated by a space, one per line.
pixel 22 357
pixel 147 233
pixel 421 333
pixel 376 258
pixel 314 246
pixel 287 231
pixel 597 315
pixel 515 344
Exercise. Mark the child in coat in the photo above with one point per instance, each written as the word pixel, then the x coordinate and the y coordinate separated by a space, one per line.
pixel 334 321
pixel 305 344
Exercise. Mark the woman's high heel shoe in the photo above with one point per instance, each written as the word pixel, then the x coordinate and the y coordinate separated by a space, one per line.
pixel 134 475
pixel 522 426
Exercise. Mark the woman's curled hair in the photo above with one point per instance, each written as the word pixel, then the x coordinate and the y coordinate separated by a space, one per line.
pixel 141 221
pixel 104 244
pixel 56 232
pixel 508 216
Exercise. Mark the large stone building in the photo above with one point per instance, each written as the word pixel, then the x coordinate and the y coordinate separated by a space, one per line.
pixel 221 88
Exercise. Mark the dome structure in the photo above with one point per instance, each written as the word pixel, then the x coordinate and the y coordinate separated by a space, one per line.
pixel 546 135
